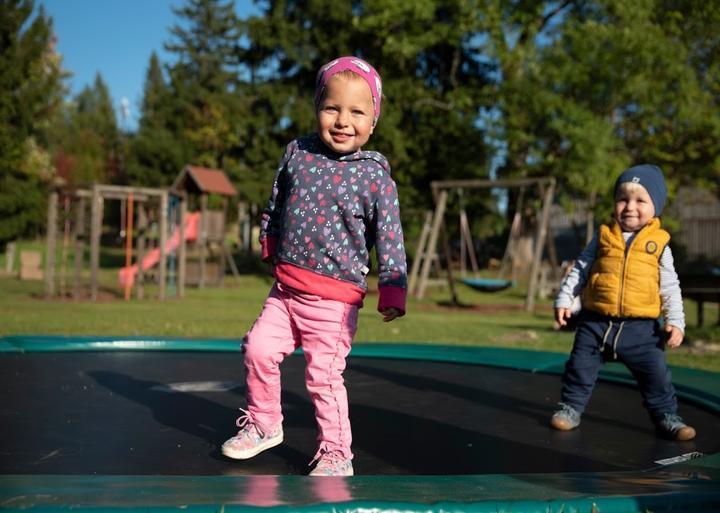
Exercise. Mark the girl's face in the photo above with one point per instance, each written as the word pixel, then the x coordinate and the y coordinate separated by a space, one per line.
pixel 633 207
pixel 345 114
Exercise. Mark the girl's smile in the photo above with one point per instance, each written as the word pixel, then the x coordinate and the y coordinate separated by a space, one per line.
pixel 345 115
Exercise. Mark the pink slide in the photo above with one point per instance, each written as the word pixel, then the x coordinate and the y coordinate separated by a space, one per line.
pixel 192 223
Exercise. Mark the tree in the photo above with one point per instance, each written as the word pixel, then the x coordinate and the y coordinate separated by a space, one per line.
pixel 156 155
pixel 86 138
pixel 208 115
pixel 587 88
pixel 30 89
pixel 427 54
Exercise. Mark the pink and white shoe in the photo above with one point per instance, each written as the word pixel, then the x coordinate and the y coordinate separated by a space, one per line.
pixel 251 440
pixel 331 463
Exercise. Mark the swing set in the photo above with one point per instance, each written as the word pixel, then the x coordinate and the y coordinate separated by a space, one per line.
pixel 434 232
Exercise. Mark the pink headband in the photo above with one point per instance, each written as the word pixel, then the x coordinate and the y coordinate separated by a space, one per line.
pixel 357 66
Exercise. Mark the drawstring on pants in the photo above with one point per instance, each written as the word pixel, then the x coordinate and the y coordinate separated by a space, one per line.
pixel 616 338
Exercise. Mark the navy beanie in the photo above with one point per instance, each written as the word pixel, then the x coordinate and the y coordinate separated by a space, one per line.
pixel 650 177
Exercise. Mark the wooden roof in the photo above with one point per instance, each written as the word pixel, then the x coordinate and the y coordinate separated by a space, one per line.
pixel 204 180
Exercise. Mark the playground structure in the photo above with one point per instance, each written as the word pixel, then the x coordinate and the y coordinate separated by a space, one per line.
pixel 139 205
pixel 195 184
pixel 434 230
pixel 74 233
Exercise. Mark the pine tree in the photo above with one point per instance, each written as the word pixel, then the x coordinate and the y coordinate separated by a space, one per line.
pixel 208 112
pixel 86 138
pixel 30 88
pixel 156 155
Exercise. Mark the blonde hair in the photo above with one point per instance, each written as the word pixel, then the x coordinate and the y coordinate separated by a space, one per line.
pixel 630 187
pixel 346 75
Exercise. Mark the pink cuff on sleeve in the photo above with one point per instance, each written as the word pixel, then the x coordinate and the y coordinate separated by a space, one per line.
pixel 392 296
pixel 269 247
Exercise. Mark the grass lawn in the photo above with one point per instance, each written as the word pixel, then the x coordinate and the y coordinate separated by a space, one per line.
pixel 489 319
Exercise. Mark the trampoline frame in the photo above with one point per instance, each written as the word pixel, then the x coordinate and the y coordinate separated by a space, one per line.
pixel 693 485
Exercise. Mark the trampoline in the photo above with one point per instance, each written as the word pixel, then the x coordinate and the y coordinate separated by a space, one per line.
pixel 106 423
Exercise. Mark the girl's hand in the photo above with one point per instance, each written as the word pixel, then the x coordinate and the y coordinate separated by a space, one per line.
pixel 675 337
pixel 390 314
pixel 562 315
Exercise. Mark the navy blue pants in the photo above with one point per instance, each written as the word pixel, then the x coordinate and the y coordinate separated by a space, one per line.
pixel 637 343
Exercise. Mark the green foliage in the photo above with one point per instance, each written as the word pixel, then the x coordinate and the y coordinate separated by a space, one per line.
pixel 85 139
pixel 208 112
pixel 576 90
pixel 29 91
pixel 588 88
pixel 156 155
pixel 429 62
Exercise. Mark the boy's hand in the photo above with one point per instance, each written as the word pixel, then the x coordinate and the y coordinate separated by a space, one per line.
pixel 675 337
pixel 562 315
pixel 390 314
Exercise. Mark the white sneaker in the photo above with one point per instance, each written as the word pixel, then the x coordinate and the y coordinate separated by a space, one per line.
pixel 251 440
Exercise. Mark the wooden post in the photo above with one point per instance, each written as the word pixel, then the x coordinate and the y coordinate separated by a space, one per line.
pixel 128 244
pixel 244 227
pixel 223 261
pixel 539 245
pixel 95 232
pixel 448 265
pixel 79 240
pixel 202 239
pixel 420 252
pixel 10 258
pixel 182 249
pixel 51 242
pixel 700 312
pixel 432 245
pixel 162 270
pixel 65 244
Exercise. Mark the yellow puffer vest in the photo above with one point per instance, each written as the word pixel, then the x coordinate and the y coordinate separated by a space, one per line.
pixel 627 283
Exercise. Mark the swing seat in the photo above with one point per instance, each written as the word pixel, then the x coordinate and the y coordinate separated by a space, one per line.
pixel 488 284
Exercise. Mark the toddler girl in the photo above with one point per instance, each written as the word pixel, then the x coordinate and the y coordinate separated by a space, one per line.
pixel 331 203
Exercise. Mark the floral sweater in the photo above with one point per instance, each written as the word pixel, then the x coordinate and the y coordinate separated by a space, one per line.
pixel 325 213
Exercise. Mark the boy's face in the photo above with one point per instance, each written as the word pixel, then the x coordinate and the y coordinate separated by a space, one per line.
pixel 345 114
pixel 633 207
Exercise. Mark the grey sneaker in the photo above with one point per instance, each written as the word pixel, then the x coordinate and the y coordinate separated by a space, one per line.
pixel 673 427
pixel 566 418
pixel 332 464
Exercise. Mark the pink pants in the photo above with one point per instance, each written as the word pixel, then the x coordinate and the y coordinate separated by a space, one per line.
pixel 324 328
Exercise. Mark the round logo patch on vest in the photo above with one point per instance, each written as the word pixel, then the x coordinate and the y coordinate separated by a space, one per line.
pixel 651 247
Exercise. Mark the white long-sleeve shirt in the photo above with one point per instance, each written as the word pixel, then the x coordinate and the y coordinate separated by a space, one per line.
pixel 670 293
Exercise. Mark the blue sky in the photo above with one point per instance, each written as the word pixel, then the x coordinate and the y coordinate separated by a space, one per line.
pixel 116 39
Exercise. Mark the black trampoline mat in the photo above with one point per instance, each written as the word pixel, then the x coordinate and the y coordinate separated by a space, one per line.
pixel 113 413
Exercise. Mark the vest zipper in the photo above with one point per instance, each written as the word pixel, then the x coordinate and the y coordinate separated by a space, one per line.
pixel 622 275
